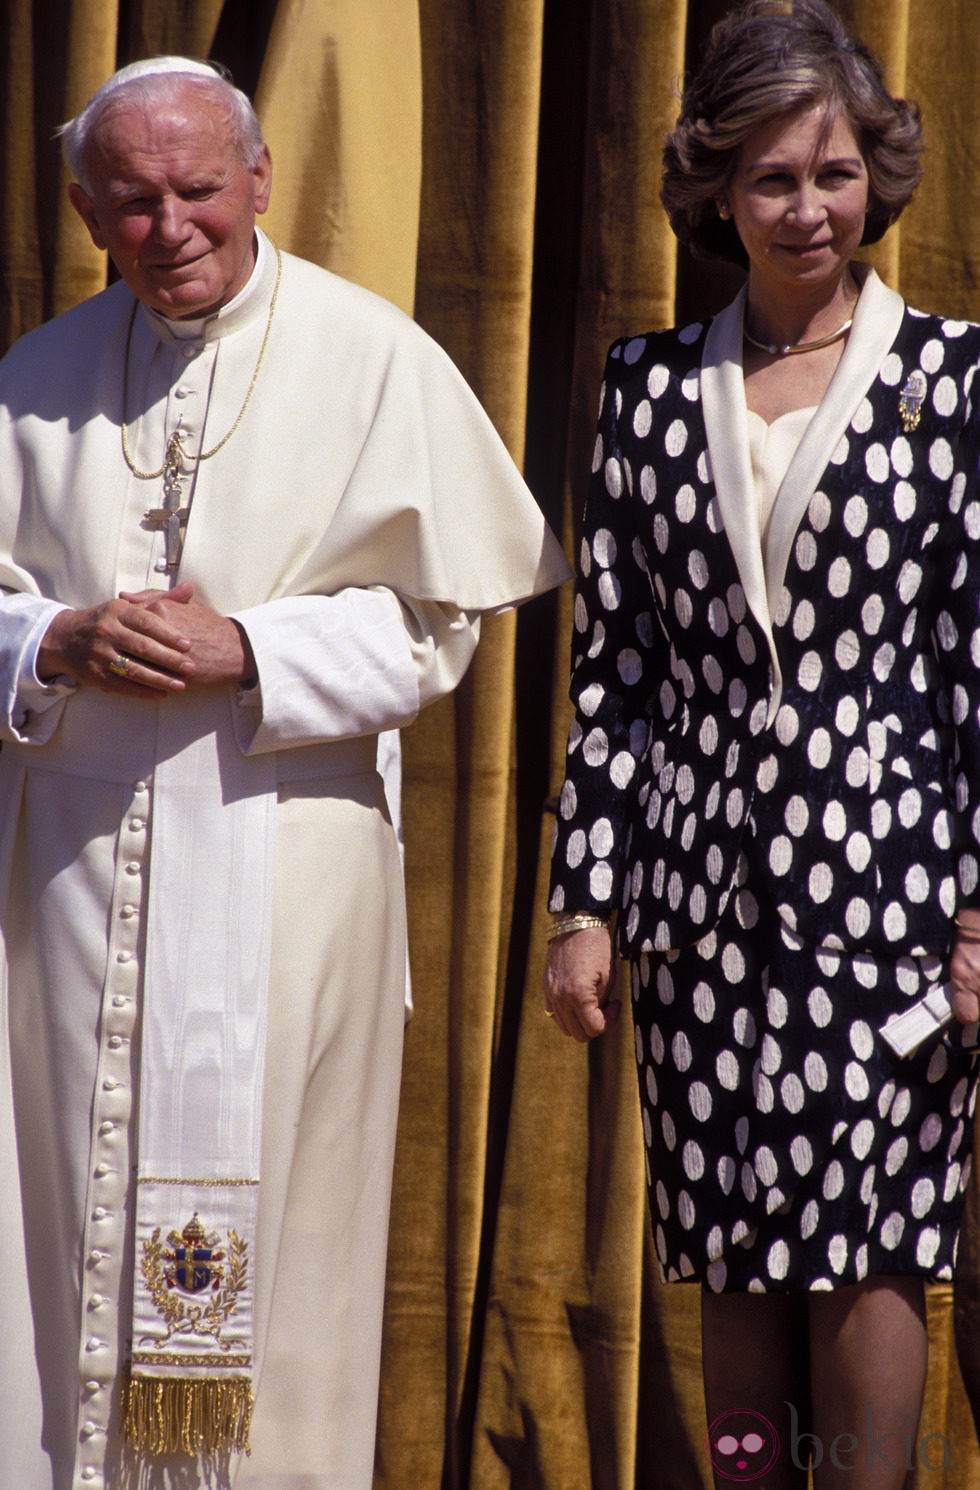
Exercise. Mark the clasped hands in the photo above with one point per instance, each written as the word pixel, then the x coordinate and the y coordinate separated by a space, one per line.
pixel 146 644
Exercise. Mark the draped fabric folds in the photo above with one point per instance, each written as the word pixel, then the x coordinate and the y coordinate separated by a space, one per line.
pixel 495 168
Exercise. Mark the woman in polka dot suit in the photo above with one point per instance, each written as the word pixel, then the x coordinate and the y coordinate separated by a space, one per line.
pixel 773 780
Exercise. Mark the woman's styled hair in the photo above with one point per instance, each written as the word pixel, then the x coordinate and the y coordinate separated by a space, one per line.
pixel 764 60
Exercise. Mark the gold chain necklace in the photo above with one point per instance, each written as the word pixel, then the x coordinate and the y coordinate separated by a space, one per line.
pixel 790 350
pixel 175 451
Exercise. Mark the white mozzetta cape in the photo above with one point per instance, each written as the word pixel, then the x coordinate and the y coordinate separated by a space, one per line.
pixel 358 520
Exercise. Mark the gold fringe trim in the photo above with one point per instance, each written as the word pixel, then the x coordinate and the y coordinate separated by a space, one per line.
pixel 187 1415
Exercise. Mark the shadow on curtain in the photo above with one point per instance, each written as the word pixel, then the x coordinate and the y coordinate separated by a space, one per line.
pixel 496 167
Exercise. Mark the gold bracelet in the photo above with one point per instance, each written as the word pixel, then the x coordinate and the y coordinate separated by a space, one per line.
pixel 973 926
pixel 579 922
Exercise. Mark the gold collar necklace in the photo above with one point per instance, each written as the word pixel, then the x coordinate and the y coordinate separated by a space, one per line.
pixel 790 349
pixel 175 450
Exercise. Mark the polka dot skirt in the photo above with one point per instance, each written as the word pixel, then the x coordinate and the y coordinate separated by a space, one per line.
pixel 786 1146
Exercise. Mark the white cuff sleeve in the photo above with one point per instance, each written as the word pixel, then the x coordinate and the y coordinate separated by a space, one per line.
pixel 29 709
pixel 329 668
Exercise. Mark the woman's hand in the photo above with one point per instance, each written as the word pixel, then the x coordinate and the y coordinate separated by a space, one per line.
pixel 964 969
pixel 578 982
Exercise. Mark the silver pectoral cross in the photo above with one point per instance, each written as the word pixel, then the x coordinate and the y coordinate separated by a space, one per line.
pixel 171 518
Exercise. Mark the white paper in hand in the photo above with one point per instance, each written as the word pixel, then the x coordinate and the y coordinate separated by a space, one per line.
pixel 906 1031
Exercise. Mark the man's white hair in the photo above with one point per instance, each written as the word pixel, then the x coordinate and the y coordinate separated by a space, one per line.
pixel 160 79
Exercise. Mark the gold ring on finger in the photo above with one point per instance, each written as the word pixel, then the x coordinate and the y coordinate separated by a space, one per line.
pixel 120 665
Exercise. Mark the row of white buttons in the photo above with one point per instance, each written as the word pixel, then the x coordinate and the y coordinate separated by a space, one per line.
pixel 102 1281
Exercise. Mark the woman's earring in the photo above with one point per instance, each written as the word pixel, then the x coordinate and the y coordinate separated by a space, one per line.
pixel 724 211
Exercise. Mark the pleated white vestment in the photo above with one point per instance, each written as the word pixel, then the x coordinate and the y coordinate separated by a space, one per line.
pixel 356 523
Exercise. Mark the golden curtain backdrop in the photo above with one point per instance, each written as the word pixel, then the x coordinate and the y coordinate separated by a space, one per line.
pixel 495 167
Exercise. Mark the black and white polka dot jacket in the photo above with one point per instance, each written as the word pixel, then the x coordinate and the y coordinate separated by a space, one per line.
pixel 823 698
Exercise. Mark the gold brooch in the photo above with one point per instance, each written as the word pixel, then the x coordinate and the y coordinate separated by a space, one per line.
pixel 910 401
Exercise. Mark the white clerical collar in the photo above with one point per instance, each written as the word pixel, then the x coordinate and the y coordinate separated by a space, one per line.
pixel 253 296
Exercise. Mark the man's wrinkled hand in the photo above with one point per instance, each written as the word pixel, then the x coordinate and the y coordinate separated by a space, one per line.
pixel 217 646
pixel 120 647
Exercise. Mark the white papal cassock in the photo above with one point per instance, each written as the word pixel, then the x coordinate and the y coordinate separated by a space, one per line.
pixel 356 523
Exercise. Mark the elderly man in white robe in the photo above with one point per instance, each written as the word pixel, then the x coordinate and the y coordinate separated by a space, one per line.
pixel 249 518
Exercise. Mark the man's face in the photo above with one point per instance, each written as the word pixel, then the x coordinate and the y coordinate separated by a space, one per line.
pixel 172 202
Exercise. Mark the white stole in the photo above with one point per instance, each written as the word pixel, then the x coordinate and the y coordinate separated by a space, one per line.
pixel 201 1082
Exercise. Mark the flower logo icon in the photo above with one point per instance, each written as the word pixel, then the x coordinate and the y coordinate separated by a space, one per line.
pixel 742 1445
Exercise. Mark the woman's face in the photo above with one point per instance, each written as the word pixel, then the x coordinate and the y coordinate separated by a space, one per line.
pixel 798 198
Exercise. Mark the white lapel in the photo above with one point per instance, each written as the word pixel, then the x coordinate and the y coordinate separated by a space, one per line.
pixel 726 426
pixel 877 318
